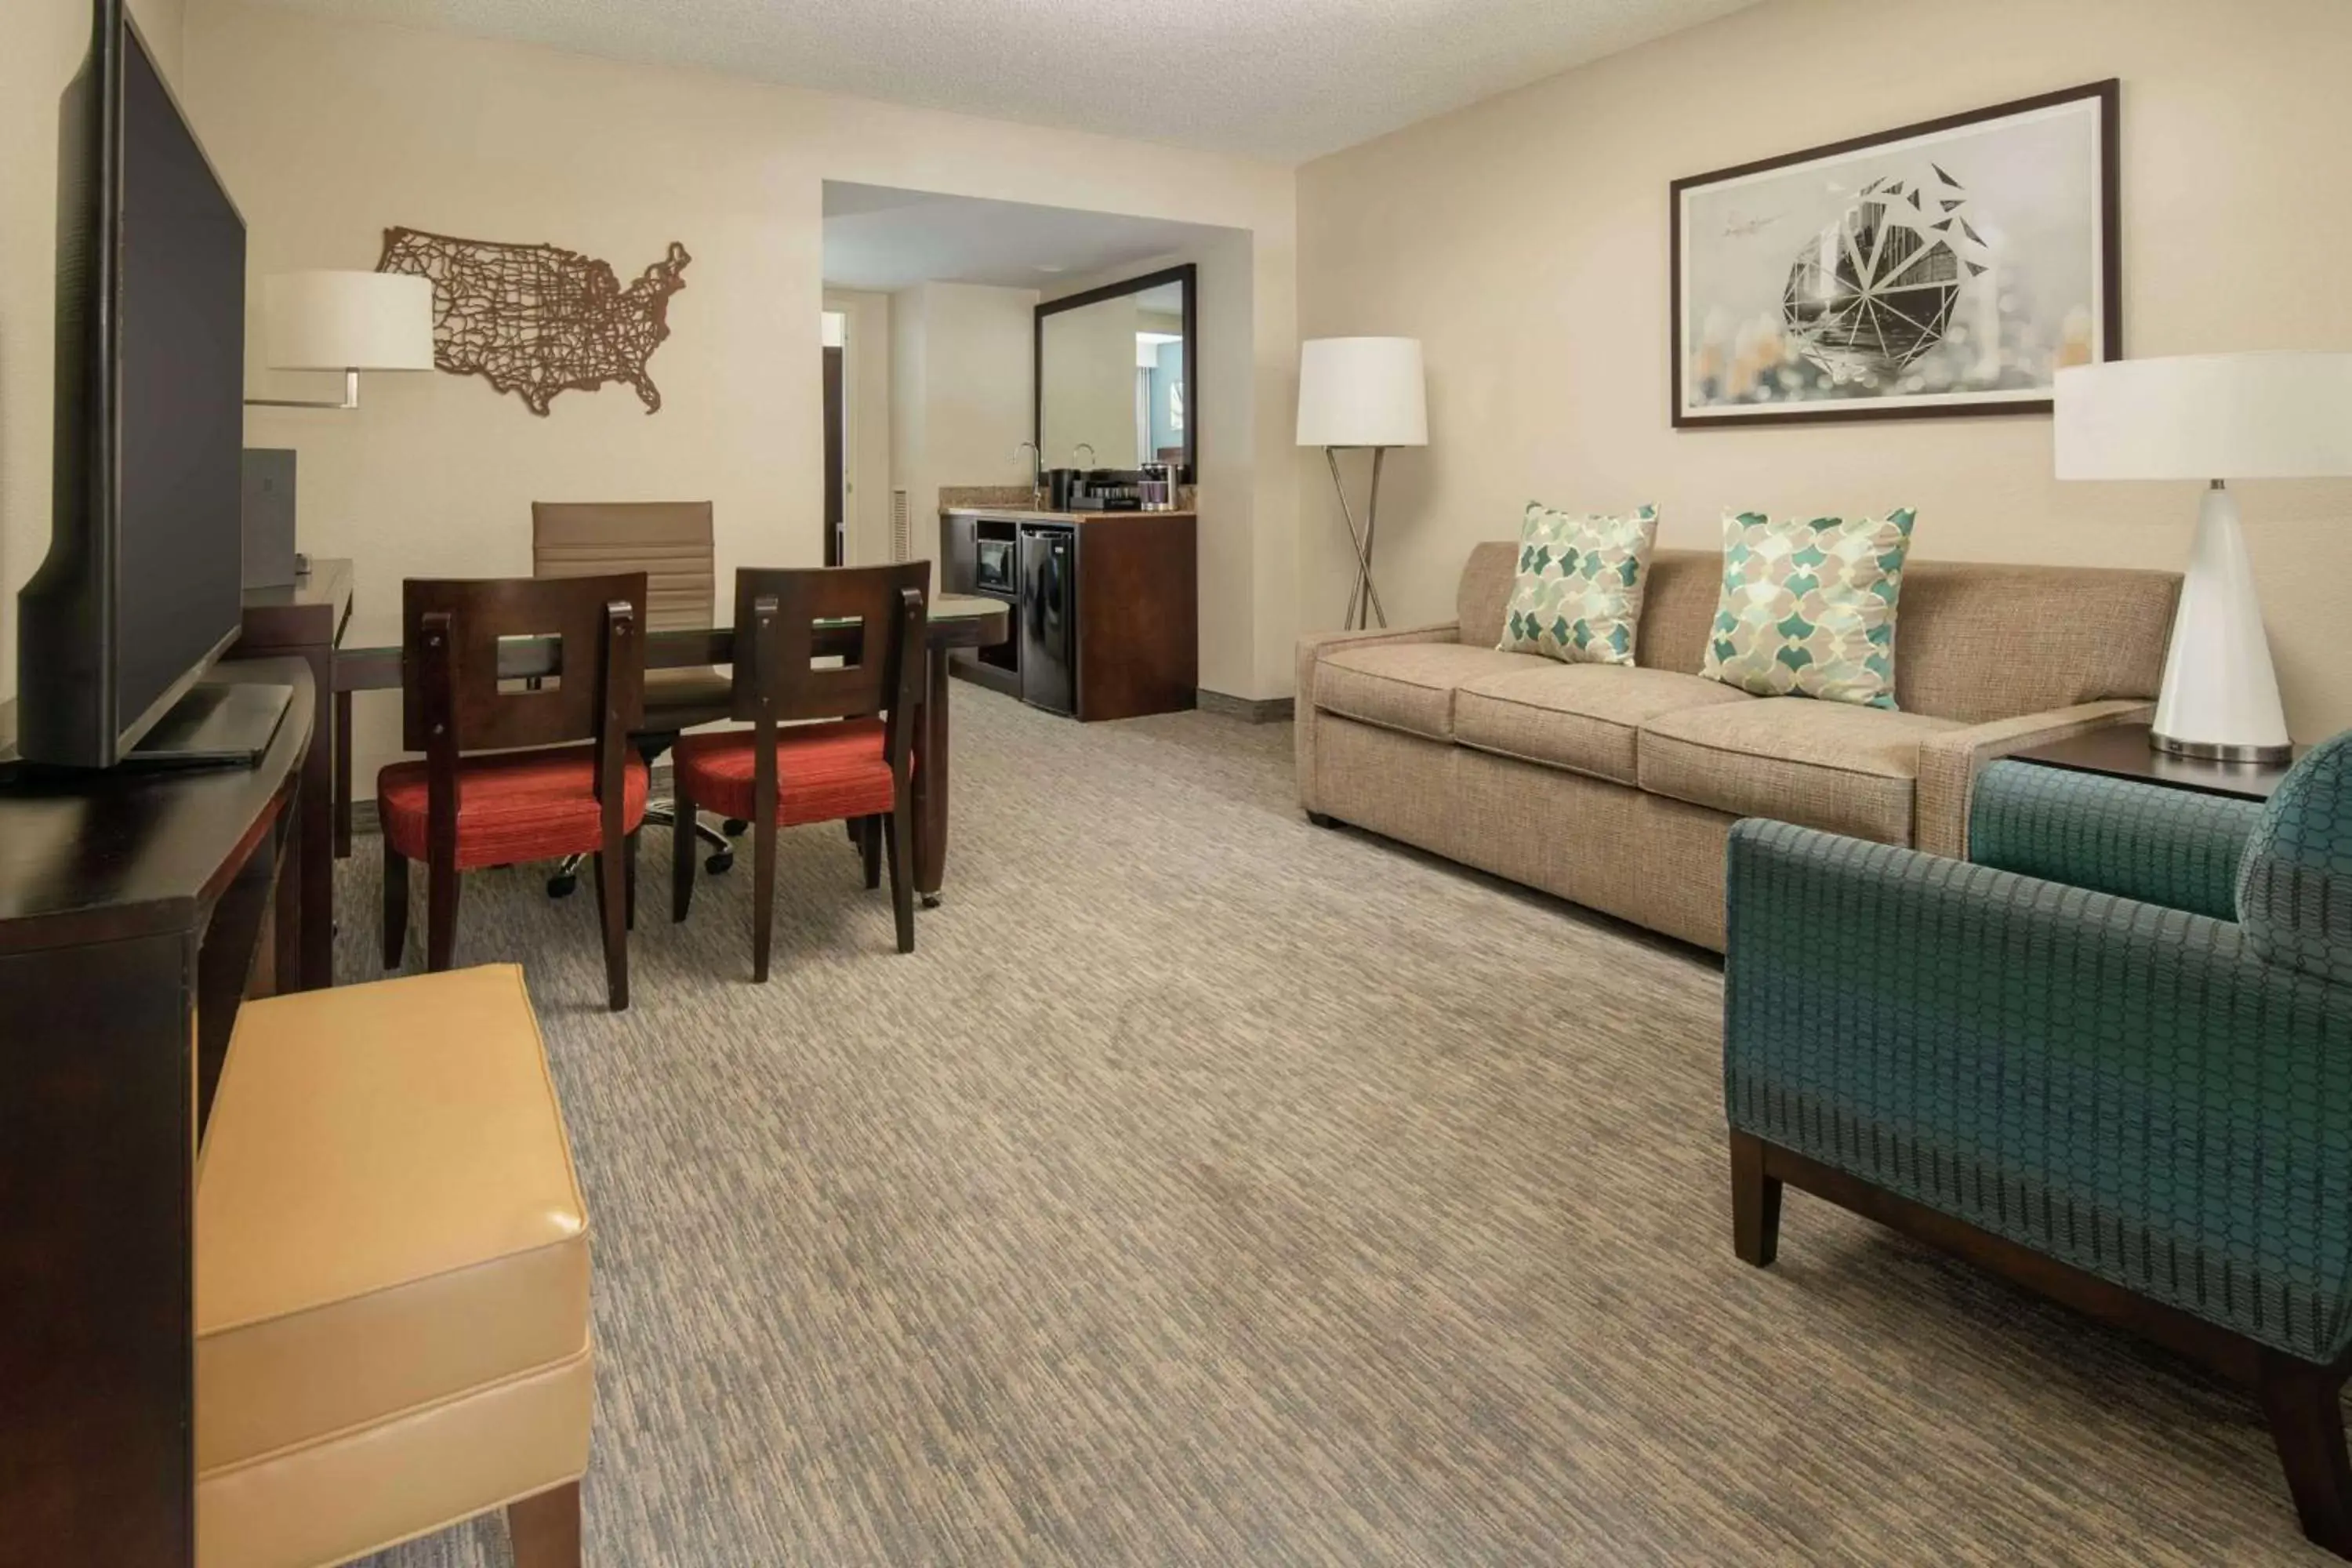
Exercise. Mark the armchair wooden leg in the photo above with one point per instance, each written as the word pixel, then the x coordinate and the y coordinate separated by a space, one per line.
pixel 682 849
pixel 869 845
pixel 898 828
pixel 1754 1202
pixel 629 878
pixel 440 913
pixel 763 892
pixel 545 1528
pixel 2307 1424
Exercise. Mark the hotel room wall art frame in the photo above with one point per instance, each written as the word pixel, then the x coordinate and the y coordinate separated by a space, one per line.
pixel 1948 268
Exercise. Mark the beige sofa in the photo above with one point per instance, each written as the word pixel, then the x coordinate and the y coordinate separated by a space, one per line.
pixel 1616 786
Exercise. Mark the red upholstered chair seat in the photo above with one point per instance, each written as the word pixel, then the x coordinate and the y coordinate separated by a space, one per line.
pixel 824 773
pixel 512 805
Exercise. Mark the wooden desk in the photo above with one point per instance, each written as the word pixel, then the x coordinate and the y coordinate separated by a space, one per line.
pixel 306 621
pixel 957 621
pixel 132 919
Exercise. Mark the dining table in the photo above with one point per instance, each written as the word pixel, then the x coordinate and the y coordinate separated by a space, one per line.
pixel 956 621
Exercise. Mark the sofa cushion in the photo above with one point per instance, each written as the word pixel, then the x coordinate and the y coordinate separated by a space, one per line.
pixel 1837 766
pixel 1409 686
pixel 1582 717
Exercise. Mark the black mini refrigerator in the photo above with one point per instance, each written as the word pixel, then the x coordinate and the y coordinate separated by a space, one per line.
pixel 1049 621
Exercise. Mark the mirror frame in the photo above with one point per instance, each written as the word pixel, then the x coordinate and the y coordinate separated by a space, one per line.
pixel 1187 275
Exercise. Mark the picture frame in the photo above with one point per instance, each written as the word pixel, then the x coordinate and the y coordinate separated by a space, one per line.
pixel 1945 268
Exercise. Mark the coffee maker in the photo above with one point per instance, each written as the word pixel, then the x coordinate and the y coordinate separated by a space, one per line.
pixel 1155 487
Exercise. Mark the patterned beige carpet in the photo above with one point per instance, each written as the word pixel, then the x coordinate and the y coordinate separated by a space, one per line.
pixel 1209 1188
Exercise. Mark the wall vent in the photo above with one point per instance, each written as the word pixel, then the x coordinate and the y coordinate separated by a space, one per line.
pixel 902 528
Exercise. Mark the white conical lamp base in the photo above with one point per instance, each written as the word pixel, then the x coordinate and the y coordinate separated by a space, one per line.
pixel 2220 697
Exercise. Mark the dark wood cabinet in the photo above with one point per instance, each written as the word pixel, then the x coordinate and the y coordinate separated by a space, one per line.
pixel 135 914
pixel 1137 585
pixel 1139 593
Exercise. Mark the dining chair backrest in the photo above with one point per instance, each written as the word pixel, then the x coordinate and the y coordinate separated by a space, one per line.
pixel 669 542
pixel 455 699
pixel 873 617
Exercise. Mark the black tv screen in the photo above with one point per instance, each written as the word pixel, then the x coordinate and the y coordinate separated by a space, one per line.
pixel 142 587
pixel 180 344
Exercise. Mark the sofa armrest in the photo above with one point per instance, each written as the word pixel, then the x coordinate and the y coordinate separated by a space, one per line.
pixel 2129 1088
pixel 2158 845
pixel 1950 761
pixel 1311 647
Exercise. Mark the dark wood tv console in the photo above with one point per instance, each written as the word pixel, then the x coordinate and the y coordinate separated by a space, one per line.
pixel 137 911
pixel 307 620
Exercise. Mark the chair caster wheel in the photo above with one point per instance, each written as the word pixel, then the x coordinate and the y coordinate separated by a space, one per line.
pixel 722 861
pixel 735 826
pixel 562 885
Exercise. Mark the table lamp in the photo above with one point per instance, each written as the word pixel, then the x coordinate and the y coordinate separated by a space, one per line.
pixel 2213 417
pixel 1361 392
pixel 347 321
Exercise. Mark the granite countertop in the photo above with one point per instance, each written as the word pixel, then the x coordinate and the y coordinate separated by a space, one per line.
pixel 1024 514
pixel 1019 503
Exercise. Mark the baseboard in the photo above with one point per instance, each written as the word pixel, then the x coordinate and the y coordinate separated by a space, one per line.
pixel 1249 709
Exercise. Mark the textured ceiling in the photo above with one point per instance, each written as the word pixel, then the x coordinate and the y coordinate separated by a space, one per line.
pixel 876 238
pixel 1286 79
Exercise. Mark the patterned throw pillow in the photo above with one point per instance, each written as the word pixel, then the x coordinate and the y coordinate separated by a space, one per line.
pixel 1579 596
pixel 1807 608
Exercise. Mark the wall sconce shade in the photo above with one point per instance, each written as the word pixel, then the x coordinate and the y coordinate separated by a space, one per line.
pixel 347 321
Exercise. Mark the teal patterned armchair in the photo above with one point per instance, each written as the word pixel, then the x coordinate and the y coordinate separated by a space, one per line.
pixel 2109 1057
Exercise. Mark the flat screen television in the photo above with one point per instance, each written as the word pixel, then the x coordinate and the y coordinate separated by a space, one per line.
pixel 141 590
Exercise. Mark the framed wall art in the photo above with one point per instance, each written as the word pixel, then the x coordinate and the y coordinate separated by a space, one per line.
pixel 1948 268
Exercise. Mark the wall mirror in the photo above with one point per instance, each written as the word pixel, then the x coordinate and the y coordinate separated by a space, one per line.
pixel 1115 373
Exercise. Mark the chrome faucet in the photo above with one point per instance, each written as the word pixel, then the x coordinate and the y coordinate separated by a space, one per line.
pixel 1036 474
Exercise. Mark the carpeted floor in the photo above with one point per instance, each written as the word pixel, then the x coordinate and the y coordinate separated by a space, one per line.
pixel 1209 1188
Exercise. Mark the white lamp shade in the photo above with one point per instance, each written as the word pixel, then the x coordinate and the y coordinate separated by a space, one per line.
pixel 347 321
pixel 2207 417
pixel 1361 392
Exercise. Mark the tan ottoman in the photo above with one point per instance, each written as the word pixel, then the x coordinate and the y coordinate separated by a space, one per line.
pixel 392 1278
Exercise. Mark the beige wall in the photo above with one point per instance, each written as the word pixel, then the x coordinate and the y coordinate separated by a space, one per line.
pixel 1524 240
pixel 326 133
pixel 961 401
pixel 42 42
pixel 865 386
pixel 1246 379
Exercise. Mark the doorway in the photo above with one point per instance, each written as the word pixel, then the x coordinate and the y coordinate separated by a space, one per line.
pixel 835 338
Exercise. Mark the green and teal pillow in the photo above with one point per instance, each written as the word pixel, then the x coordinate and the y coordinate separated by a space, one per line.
pixel 1807 608
pixel 1579 594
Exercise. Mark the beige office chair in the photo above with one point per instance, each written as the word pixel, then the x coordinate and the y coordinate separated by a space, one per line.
pixel 670 542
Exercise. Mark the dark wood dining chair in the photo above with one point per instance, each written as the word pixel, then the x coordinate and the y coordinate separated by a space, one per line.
pixel 825 744
pixel 516 770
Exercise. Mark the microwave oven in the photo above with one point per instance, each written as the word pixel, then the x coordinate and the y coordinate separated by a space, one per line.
pixel 999 564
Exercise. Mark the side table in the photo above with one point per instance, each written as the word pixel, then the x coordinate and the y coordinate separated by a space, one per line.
pixel 2122 751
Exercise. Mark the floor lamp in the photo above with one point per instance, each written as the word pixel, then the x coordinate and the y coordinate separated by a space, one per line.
pixel 2212 418
pixel 1361 392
